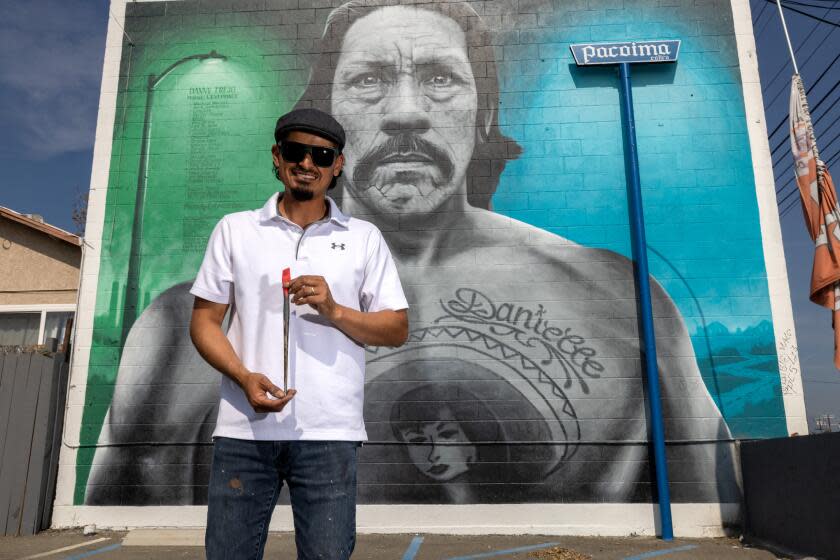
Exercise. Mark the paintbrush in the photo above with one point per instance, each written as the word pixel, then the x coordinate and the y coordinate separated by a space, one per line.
pixel 287 277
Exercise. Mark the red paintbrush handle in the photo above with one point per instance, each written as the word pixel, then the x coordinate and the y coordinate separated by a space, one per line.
pixel 287 277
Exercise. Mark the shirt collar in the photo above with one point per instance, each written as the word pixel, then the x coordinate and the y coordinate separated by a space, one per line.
pixel 269 212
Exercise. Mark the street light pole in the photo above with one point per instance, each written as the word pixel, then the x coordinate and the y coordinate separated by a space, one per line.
pixel 132 300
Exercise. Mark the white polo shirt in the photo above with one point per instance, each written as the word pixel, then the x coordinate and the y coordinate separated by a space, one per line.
pixel 243 266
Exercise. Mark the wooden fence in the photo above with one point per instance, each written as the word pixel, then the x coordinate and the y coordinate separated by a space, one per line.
pixel 33 391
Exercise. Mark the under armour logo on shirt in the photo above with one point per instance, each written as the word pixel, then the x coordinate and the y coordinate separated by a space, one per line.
pixel 338 246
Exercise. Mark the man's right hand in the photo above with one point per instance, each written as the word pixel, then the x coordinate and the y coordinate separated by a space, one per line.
pixel 264 395
pixel 214 346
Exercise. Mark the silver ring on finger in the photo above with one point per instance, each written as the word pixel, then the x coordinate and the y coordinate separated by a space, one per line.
pixel 311 291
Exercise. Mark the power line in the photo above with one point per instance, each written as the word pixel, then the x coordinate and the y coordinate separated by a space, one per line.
pixel 787 196
pixel 784 119
pixel 784 87
pixel 811 110
pixel 760 13
pixel 792 204
pixel 814 124
pixel 763 26
pixel 808 36
pixel 795 3
pixel 836 136
pixel 826 112
pixel 824 422
pixel 795 188
pixel 827 163
pixel 787 62
pixel 825 145
pixel 818 47
pixel 787 210
pixel 783 187
pixel 806 14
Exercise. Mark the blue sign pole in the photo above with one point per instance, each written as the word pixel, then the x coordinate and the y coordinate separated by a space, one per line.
pixel 624 54
pixel 637 225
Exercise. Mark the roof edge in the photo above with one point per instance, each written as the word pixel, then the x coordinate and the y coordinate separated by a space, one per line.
pixel 43 227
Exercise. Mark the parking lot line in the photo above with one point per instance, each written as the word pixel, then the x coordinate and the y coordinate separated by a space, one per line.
pixel 654 553
pixel 64 549
pixel 411 552
pixel 108 548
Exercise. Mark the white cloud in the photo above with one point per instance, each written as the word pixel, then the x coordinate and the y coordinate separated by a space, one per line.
pixel 50 66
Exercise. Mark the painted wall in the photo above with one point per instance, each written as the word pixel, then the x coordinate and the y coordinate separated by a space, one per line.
pixel 524 353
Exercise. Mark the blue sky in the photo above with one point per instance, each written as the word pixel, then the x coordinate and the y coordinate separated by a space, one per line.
pixel 51 54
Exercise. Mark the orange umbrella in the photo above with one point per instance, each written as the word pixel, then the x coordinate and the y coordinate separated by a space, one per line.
pixel 819 203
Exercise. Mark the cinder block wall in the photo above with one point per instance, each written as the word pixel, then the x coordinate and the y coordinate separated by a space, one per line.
pixel 522 380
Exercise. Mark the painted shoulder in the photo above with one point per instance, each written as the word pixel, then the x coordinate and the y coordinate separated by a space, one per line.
pixel 546 243
pixel 609 273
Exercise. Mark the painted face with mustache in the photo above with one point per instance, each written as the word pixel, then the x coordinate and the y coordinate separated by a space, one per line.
pixel 405 93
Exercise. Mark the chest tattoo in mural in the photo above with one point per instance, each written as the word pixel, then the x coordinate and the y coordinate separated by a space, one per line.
pixel 479 399
pixel 562 347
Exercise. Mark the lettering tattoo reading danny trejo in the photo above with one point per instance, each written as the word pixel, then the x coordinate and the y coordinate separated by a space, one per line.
pixel 528 328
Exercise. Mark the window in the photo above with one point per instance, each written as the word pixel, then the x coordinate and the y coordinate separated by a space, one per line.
pixel 54 326
pixel 19 329
pixel 23 325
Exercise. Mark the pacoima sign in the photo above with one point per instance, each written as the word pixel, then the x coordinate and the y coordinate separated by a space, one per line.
pixel 587 54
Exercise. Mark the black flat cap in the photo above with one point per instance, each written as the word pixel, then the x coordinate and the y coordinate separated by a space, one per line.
pixel 312 121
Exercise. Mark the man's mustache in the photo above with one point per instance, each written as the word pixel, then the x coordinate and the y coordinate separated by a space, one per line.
pixel 403 144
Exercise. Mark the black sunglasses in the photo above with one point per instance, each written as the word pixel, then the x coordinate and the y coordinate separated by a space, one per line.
pixel 295 152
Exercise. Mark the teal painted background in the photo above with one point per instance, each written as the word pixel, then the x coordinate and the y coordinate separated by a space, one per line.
pixel 702 225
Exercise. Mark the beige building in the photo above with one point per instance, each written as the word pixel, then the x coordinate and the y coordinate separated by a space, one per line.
pixel 39 280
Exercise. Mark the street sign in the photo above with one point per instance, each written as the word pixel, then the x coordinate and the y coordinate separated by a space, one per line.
pixel 589 54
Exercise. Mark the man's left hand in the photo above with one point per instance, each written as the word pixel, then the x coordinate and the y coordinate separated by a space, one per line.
pixel 315 292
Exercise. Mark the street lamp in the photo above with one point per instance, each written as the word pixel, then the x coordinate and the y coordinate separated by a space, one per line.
pixel 132 291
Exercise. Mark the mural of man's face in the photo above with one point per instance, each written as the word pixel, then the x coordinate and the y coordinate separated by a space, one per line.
pixel 405 93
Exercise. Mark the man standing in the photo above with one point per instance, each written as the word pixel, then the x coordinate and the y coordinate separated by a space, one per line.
pixel 345 294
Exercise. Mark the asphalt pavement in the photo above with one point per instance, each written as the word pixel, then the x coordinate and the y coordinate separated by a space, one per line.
pixel 186 544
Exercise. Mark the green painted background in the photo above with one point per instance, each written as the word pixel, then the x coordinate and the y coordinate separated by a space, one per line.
pixel 180 207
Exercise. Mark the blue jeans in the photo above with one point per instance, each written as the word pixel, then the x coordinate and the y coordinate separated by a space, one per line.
pixel 245 482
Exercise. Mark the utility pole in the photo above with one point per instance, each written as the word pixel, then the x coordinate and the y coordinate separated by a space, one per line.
pixel 825 423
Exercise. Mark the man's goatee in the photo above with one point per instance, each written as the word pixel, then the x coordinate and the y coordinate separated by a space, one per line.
pixel 301 195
